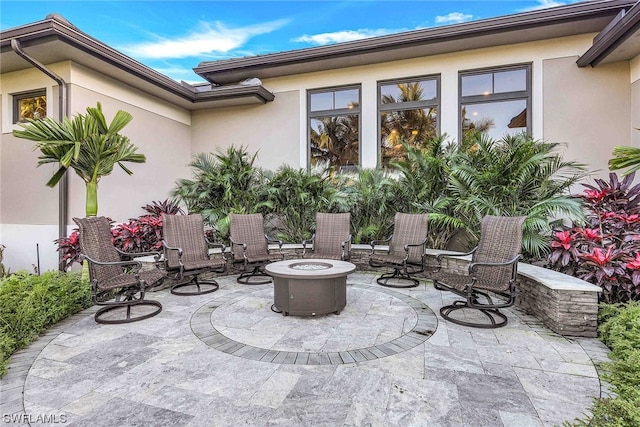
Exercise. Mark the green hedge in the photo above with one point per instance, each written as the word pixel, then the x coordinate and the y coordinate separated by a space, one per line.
pixel 29 304
pixel 620 331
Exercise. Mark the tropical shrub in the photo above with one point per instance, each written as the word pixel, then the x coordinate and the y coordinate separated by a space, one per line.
pixel 372 197
pixel 223 183
pixel 292 197
pixel 29 304
pixel 620 331
pixel 513 176
pixel 605 250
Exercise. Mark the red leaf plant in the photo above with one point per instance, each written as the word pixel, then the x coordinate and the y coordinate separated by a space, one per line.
pixel 605 251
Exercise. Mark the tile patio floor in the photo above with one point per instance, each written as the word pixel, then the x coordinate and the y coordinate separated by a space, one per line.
pixel 226 359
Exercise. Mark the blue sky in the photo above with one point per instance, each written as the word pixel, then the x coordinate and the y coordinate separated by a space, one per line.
pixel 175 36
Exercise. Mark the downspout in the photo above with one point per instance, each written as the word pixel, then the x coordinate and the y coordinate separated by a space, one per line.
pixel 63 112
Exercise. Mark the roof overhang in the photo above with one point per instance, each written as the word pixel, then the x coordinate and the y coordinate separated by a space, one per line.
pixel 578 18
pixel 619 41
pixel 55 40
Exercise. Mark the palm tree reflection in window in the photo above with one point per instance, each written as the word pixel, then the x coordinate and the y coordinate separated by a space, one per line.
pixel 405 123
pixel 335 140
pixel 33 107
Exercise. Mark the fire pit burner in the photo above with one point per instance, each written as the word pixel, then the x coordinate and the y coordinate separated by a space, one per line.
pixel 310 266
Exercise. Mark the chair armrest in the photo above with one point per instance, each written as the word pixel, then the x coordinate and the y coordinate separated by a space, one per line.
pixel 374 243
pixel 156 254
pixel 213 244
pixel 234 244
pixel 137 265
pixel 278 241
pixel 439 257
pixel 308 241
pixel 474 265
pixel 171 248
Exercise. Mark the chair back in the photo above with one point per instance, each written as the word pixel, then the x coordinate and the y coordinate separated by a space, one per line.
pixel 187 233
pixel 409 229
pixel 248 229
pixel 331 230
pixel 500 241
pixel 96 242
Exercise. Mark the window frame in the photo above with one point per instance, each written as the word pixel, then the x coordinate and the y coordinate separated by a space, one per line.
pixel 18 96
pixel 334 112
pixel 413 105
pixel 526 94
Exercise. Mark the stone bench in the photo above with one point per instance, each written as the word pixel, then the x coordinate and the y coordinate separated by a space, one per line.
pixel 565 304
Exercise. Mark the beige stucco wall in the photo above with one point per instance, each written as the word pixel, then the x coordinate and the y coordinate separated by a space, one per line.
pixel 589 109
pixel 271 130
pixel 29 210
pixel 292 137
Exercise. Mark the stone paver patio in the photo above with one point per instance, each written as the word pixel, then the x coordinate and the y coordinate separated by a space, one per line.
pixel 226 358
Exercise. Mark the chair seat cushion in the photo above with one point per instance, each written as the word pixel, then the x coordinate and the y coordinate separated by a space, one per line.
pixel 387 259
pixel 204 263
pixel 253 259
pixel 457 282
pixel 151 277
pixel 323 255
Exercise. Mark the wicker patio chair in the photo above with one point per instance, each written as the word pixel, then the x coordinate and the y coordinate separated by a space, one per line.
pixel 491 274
pixel 405 253
pixel 186 254
pixel 116 284
pixel 332 239
pixel 250 248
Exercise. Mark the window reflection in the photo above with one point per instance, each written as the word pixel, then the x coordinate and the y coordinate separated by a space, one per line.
pixel 408 115
pixel 30 106
pixel 495 119
pixel 494 82
pixel 335 141
pixel 414 127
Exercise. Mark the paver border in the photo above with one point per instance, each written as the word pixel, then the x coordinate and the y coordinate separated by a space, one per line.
pixel 425 326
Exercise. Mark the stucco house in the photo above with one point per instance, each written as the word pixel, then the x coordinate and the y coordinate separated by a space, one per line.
pixel 567 74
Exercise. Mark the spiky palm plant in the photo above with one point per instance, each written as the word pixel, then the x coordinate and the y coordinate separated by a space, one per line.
pixel 293 197
pixel 625 158
pixel 516 175
pixel 223 183
pixel 86 144
pixel 373 198
pixel 423 185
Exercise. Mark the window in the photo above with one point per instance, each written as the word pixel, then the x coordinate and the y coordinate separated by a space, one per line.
pixel 334 127
pixel 495 102
pixel 29 105
pixel 408 113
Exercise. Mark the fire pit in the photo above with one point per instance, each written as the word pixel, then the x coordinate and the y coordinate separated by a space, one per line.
pixel 309 287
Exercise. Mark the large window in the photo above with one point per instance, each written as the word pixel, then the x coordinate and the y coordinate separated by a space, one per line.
pixel 29 105
pixel 408 114
pixel 495 102
pixel 334 127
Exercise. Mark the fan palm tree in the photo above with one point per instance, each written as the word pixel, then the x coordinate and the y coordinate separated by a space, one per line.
pixel 85 144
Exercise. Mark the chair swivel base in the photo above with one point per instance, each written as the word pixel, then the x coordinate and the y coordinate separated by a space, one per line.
pixel 496 318
pixel 397 275
pixel 201 287
pixel 111 309
pixel 245 277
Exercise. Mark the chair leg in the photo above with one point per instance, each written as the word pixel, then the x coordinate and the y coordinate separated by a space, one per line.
pixel 100 316
pixel 400 276
pixel 201 287
pixel 245 277
pixel 496 318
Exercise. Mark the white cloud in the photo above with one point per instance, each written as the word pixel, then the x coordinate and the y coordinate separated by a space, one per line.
pixel 342 36
pixel 453 18
pixel 544 4
pixel 207 39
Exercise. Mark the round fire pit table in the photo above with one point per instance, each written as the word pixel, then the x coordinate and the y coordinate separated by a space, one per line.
pixel 308 287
